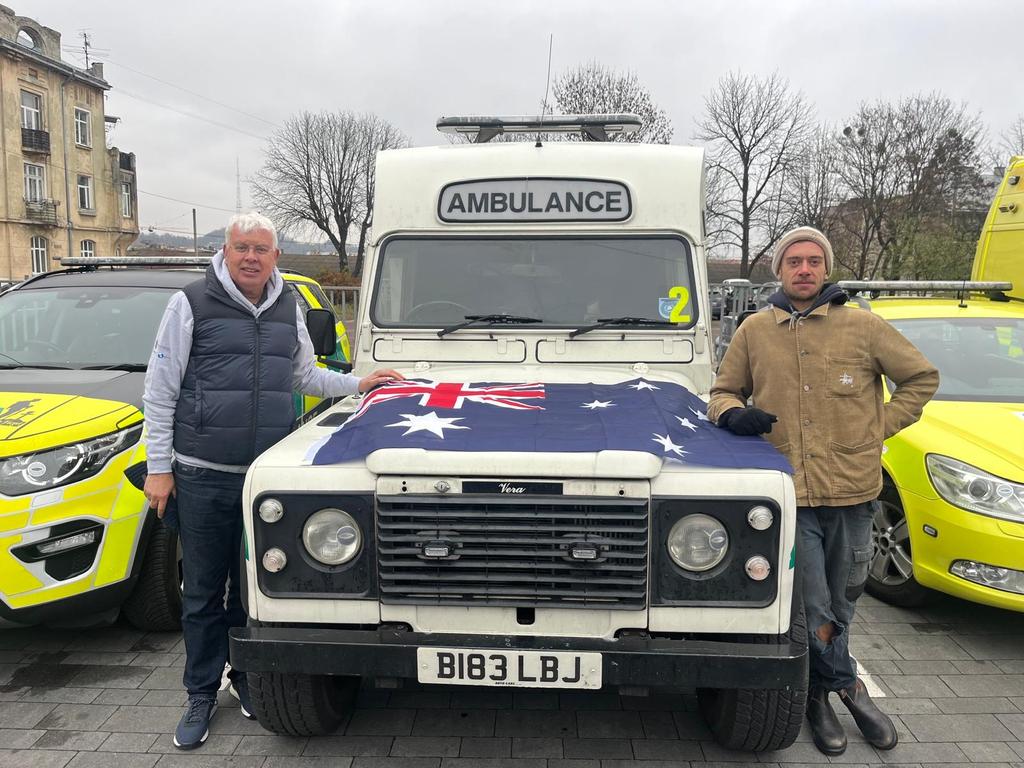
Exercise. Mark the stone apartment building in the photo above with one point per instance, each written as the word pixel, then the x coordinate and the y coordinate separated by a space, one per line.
pixel 62 190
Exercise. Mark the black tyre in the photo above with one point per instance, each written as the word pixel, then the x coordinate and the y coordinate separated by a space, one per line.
pixel 155 603
pixel 301 705
pixel 891 577
pixel 760 720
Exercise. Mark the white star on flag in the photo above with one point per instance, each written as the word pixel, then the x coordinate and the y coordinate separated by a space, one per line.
pixel 642 385
pixel 686 423
pixel 666 442
pixel 427 422
pixel 598 404
pixel 699 414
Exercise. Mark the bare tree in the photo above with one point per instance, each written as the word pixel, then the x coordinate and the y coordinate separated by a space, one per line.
pixel 755 129
pixel 907 168
pixel 814 185
pixel 378 135
pixel 595 89
pixel 317 172
pixel 1012 139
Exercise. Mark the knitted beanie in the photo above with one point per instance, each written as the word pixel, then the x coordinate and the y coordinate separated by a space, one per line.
pixel 798 235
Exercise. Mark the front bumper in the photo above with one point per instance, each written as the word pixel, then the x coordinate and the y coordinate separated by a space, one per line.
pixel 962 535
pixel 631 661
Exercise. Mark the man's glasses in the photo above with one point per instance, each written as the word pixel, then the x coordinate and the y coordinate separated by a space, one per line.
pixel 243 248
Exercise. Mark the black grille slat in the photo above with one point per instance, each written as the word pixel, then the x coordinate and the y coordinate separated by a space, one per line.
pixel 513 552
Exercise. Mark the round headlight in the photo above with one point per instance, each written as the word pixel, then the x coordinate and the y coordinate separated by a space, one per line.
pixel 332 536
pixel 697 542
pixel 271 510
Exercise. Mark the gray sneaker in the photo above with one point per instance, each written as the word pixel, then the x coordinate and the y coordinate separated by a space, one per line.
pixel 194 726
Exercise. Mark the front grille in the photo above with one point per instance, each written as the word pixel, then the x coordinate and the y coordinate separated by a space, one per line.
pixel 513 552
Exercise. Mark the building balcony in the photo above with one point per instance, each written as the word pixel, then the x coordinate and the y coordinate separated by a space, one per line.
pixel 35 141
pixel 42 211
pixel 126 161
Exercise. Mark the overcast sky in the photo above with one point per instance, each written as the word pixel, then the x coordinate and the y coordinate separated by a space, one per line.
pixel 411 61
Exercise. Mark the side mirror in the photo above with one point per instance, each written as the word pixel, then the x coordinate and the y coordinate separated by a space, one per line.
pixel 320 324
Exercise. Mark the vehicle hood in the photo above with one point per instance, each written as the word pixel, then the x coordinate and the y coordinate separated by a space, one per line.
pixel 42 409
pixel 986 435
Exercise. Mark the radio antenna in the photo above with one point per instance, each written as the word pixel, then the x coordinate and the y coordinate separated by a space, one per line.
pixel 547 84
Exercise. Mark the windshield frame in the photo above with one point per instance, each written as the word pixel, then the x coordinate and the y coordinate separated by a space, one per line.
pixel 688 251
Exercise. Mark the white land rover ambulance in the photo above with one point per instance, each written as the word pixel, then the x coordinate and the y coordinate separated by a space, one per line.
pixel 515 520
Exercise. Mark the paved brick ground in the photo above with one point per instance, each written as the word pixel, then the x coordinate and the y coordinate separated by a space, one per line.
pixel 952 675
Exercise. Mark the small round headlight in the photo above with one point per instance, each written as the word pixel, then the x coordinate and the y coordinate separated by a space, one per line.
pixel 697 542
pixel 332 536
pixel 274 560
pixel 271 510
pixel 760 518
pixel 758 568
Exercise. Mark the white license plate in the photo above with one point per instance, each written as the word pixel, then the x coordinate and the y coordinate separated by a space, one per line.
pixel 514 669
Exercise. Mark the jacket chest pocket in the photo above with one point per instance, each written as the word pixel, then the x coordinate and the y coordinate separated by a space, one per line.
pixel 848 376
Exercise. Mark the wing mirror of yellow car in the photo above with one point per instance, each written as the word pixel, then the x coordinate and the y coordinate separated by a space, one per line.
pixel 320 324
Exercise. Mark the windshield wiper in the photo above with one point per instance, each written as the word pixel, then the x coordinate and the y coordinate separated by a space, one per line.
pixel 115 367
pixel 627 320
pixel 499 319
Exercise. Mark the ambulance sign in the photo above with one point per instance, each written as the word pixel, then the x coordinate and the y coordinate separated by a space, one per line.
pixel 534 199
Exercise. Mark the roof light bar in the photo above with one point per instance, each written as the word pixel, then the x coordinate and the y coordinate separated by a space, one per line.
pixel 923 285
pixel 483 128
pixel 135 261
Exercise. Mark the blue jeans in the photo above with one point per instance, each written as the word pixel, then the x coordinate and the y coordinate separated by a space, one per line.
pixel 210 530
pixel 834 550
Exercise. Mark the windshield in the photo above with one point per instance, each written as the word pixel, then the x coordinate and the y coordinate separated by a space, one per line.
pixel 979 359
pixel 431 282
pixel 78 327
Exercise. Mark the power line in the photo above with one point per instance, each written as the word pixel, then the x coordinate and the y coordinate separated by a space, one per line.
pixel 189 114
pixel 186 202
pixel 194 93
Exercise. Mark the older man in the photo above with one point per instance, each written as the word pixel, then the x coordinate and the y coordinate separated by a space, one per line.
pixel 813 369
pixel 231 349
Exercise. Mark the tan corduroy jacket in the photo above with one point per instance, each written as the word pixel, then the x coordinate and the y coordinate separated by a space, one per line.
pixel 821 375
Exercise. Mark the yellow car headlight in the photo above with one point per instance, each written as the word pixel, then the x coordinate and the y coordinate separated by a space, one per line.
pixel 34 472
pixel 974 489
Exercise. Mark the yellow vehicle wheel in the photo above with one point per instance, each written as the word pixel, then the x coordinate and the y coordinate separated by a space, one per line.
pixel 891 576
pixel 155 603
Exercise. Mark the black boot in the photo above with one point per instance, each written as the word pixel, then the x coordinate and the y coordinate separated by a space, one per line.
pixel 829 736
pixel 873 722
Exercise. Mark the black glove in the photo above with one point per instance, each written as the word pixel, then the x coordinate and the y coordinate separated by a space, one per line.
pixel 747 421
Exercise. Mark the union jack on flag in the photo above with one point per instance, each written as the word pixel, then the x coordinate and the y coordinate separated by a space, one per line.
pixel 657 417
pixel 441 394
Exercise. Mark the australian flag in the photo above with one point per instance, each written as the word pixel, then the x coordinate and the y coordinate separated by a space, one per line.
pixel 656 417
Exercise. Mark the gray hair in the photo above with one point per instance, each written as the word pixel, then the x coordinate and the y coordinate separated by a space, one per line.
pixel 250 222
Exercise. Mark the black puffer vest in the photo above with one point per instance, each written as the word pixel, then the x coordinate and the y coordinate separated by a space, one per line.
pixel 236 395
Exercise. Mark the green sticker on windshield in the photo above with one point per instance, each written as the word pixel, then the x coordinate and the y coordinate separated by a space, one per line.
pixel 792 558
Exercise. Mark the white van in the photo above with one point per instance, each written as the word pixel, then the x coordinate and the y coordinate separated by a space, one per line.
pixel 543 503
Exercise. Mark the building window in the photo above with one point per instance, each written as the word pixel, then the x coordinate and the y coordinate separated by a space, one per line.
pixel 83 127
pixel 126 199
pixel 35 183
pixel 88 248
pixel 31 111
pixel 40 259
pixel 85 193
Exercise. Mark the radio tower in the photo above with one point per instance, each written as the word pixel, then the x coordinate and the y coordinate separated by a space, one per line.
pixel 238 188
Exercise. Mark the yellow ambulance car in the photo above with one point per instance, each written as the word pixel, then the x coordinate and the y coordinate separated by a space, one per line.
pixel 78 543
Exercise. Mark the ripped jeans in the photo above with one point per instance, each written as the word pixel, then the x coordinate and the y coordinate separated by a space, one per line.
pixel 834 552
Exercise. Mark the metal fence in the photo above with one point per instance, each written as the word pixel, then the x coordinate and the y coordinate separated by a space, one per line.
pixel 345 299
